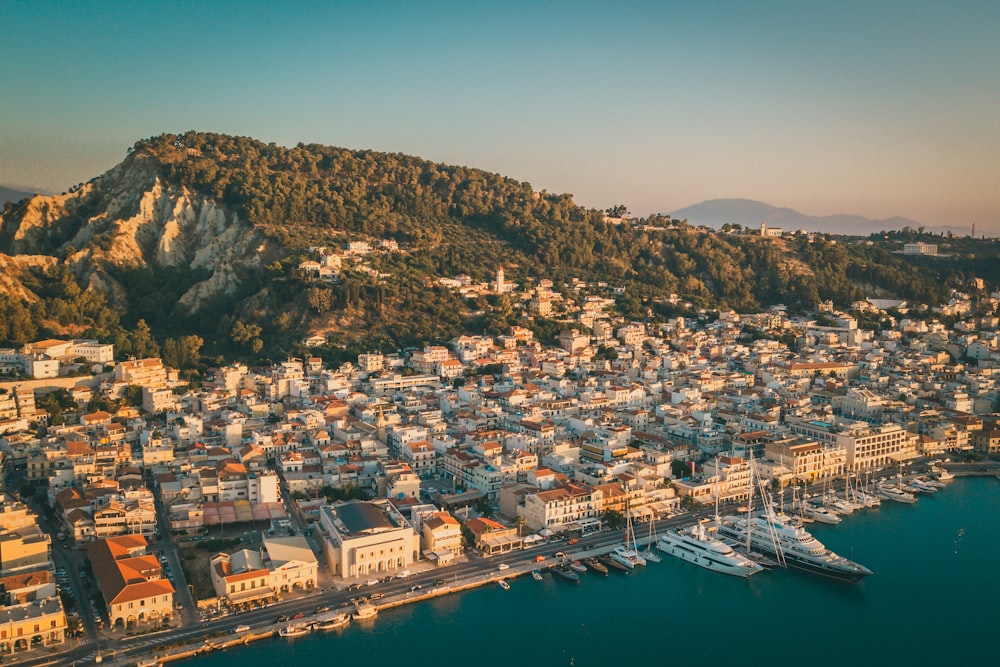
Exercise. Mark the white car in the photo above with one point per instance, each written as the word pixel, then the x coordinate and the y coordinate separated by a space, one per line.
pixel 503 566
pixel 241 628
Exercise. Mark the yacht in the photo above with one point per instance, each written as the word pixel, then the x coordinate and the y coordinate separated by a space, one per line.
pixel 696 546
pixel 869 499
pixel 819 513
pixel 338 621
pixel 792 546
pixel 294 630
pixel 890 492
pixel 922 485
pixel 837 505
pixel 627 556
pixel 596 566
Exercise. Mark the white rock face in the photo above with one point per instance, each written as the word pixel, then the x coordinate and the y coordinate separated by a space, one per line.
pixel 140 223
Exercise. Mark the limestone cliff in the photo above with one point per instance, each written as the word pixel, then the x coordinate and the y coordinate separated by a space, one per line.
pixel 129 218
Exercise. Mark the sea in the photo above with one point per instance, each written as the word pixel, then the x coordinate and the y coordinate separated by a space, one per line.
pixel 934 599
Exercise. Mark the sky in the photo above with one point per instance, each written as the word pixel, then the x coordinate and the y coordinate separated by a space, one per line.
pixel 878 108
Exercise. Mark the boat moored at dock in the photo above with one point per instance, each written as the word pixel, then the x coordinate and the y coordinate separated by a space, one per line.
pixel 793 546
pixel 695 545
pixel 596 566
pixel 338 621
pixel 294 630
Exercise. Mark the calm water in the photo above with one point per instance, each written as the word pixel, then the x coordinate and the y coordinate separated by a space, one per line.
pixel 934 600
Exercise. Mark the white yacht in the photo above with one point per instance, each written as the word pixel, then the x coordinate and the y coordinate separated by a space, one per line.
pixel 627 556
pixel 923 485
pixel 819 513
pixel 890 492
pixel 696 546
pixel 791 545
pixel 837 505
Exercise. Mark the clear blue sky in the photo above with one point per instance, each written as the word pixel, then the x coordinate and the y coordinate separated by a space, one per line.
pixel 878 107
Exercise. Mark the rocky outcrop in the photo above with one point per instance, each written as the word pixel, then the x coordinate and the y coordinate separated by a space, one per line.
pixel 129 218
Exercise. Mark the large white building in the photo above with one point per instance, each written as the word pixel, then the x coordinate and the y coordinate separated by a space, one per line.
pixel 364 538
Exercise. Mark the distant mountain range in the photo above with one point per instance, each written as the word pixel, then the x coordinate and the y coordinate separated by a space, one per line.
pixel 750 213
pixel 8 194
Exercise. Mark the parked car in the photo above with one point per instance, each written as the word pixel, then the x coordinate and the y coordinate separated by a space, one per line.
pixel 503 566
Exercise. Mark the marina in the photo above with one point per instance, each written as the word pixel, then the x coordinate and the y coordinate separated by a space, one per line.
pixel 953 534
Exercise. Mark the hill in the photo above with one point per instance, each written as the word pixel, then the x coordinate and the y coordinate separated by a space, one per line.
pixel 750 213
pixel 216 236
pixel 11 195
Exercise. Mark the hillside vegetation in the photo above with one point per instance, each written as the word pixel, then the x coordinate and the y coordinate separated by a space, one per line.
pixel 202 234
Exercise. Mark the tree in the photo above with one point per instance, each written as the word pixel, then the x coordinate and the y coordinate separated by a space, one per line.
pixel 613 519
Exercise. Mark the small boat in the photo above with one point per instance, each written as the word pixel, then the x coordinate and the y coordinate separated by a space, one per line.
pixel 610 563
pixel 294 630
pixel 536 575
pixel 567 574
pixel 364 612
pixel 596 566
pixel 503 584
pixel 149 662
pixel 577 566
pixel 944 475
pixel 338 621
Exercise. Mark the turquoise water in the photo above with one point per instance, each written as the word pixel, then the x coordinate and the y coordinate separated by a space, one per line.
pixel 934 600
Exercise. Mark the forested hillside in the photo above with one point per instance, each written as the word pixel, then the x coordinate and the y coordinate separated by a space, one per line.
pixel 140 254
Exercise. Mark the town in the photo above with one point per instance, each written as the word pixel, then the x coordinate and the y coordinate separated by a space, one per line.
pixel 177 504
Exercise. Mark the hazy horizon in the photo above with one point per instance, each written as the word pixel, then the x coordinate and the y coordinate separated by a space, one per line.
pixel 878 109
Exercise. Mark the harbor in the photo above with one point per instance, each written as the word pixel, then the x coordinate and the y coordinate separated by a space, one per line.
pixel 524 576
pixel 951 535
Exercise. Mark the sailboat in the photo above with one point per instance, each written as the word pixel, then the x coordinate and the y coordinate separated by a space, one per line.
pixel 626 554
pixel 650 552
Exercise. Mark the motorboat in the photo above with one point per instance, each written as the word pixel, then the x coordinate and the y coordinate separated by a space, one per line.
pixel 890 492
pixel 567 574
pixel 536 575
pixel 820 513
pixel 923 485
pixel 338 621
pixel 364 611
pixel 503 584
pixel 945 475
pixel 695 545
pixel 613 564
pixel 294 630
pixel 596 566
pixel 577 566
